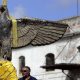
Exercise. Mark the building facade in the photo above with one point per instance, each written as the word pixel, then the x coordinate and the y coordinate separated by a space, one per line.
pixel 65 51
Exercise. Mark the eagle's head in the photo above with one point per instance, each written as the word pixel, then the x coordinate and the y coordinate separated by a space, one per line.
pixel 5 22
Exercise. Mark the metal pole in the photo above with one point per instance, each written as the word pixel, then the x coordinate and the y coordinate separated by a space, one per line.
pixel 77 8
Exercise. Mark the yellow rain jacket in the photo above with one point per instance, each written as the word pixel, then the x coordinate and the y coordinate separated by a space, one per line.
pixel 7 71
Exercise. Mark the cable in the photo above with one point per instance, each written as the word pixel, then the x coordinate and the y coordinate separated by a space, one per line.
pixel 61 50
pixel 67 75
pixel 73 57
pixel 75 54
pixel 65 45
pixel 77 8
pixel 71 29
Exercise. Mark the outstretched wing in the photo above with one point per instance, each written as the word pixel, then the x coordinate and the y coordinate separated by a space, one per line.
pixel 38 32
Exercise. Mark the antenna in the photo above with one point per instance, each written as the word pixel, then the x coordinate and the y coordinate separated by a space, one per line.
pixel 4 2
pixel 77 8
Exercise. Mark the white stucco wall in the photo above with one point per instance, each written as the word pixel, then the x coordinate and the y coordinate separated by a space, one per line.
pixel 34 57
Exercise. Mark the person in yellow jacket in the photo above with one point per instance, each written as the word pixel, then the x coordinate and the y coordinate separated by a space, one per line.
pixel 7 70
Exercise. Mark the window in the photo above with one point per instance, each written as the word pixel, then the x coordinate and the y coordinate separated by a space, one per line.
pixel 50 60
pixel 21 62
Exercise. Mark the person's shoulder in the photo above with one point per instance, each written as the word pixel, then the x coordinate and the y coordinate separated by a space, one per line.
pixel 32 78
pixel 20 79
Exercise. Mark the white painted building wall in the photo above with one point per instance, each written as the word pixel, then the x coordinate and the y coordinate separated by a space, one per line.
pixel 34 57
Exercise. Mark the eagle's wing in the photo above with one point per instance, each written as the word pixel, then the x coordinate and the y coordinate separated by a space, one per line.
pixel 38 32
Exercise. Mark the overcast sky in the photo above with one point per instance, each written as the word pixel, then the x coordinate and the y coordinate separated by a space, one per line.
pixel 43 9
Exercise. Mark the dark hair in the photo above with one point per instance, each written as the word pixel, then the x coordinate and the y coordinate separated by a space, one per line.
pixel 26 67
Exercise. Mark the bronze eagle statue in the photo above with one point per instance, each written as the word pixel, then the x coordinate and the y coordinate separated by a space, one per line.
pixel 15 33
